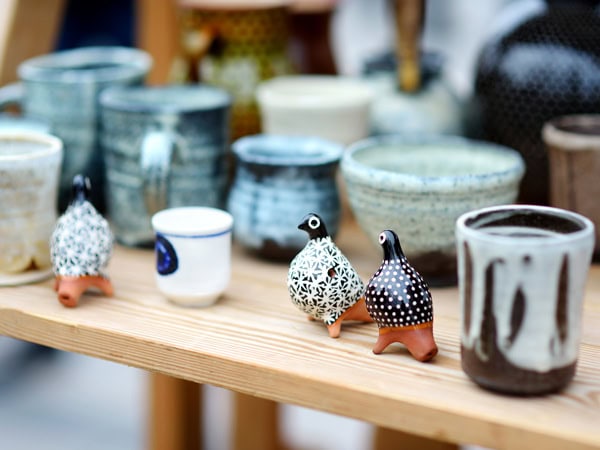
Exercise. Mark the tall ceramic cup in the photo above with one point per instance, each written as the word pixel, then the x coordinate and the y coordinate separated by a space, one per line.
pixel 29 174
pixel 522 274
pixel 62 88
pixel 164 147
pixel 573 145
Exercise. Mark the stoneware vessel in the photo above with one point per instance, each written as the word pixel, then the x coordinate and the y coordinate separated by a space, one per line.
pixel 420 185
pixel 164 147
pixel 234 44
pixel 62 88
pixel 193 254
pixel 29 177
pixel 522 272
pixel 321 281
pixel 398 299
pixel 278 179
pixel 13 122
pixel 81 246
pixel 573 145
pixel 334 108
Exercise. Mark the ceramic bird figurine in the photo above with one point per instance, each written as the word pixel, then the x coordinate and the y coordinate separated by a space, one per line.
pixel 323 283
pixel 398 299
pixel 80 247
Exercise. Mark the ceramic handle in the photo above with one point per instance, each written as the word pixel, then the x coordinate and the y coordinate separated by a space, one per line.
pixel 11 94
pixel 157 150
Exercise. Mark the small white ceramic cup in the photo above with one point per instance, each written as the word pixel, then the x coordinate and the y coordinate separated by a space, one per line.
pixel 193 254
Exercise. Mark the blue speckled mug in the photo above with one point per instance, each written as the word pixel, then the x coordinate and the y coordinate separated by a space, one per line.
pixel 164 147
pixel 278 180
pixel 62 88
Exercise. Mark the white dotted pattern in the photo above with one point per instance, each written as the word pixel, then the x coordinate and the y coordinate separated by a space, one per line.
pixel 397 295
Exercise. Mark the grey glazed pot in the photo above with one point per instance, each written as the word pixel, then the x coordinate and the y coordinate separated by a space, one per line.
pixel 278 180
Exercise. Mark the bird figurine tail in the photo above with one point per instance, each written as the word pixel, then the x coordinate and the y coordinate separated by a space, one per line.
pixel 398 299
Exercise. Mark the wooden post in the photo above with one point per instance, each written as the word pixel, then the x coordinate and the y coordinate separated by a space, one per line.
pixel 255 424
pixel 387 439
pixel 175 414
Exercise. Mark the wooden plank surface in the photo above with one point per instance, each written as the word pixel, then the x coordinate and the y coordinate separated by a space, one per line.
pixel 255 342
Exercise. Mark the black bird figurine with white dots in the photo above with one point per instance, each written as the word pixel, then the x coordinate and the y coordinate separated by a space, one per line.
pixel 398 299
pixel 322 282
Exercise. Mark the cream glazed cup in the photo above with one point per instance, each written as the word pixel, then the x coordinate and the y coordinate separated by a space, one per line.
pixel 193 254
pixel 522 274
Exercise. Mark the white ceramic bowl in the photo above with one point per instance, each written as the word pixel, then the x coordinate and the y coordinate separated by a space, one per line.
pixel 330 107
pixel 419 185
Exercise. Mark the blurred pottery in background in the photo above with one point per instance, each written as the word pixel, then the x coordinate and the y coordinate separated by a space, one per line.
pixel 398 299
pixel 573 144
pixel 15 123
pixel 234 44
pixel 278 179
pixel 81 246
pixel 164 147
pixel 330 107
pixel 523 271
pixel 546 64
pixel 432 108
pixel 420 185
pixel 62 88
pixel 30 171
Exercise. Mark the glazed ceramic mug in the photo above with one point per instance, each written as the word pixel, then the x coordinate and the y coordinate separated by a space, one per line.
pixel 62 88
pixel 30 168
pixel 522 275
pixel 164 147
pixel 573 146
pixel 193 254
pixel 278 180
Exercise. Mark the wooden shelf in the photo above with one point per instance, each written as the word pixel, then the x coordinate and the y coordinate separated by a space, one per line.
pixel 254 341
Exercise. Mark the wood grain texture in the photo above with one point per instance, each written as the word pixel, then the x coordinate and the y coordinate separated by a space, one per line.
pixel 254 341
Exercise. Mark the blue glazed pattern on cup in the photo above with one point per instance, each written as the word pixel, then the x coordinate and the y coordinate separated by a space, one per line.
pixel 278 180
pixel 419 185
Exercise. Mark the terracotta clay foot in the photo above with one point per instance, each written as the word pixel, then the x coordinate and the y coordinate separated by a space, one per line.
pixel 70 288
pixel 311 318
pixel 418 339
pixel 358 312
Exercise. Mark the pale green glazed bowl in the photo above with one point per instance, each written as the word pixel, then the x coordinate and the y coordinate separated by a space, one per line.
pixel 419 185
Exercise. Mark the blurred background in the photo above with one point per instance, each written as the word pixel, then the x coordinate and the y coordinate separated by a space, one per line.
pixel 55 400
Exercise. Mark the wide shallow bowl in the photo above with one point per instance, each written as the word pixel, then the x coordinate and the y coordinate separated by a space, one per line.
pixel 419 185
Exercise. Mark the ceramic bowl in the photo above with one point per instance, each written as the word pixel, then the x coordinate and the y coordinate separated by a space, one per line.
pixel 334 108
pixel 278 180
pixel 419 185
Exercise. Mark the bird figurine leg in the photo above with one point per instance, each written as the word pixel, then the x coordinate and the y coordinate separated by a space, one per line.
pixel 358 312
pixel 70 289
pixel 418 339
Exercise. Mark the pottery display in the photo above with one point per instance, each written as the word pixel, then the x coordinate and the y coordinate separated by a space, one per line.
pixel 193 254
pixel 62 89
pixel 523 271
pixel 80 247
pixel 234 44
pixel 399 301
pixel 29 177
pixel 330 107
pixel 164 147
pixel 542 61
pixel 11 123
pixel 432 108
pixel 573 145
pixel 278 179
pixel 420 185
pixel 321 281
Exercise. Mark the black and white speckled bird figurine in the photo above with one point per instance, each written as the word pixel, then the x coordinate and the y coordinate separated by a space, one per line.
pixel 80 247
pixel 399 301
pixel 323 283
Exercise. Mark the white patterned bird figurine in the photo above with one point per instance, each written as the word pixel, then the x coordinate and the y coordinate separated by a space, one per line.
pixel 399 301
pixel 322 282
pixel 80 247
